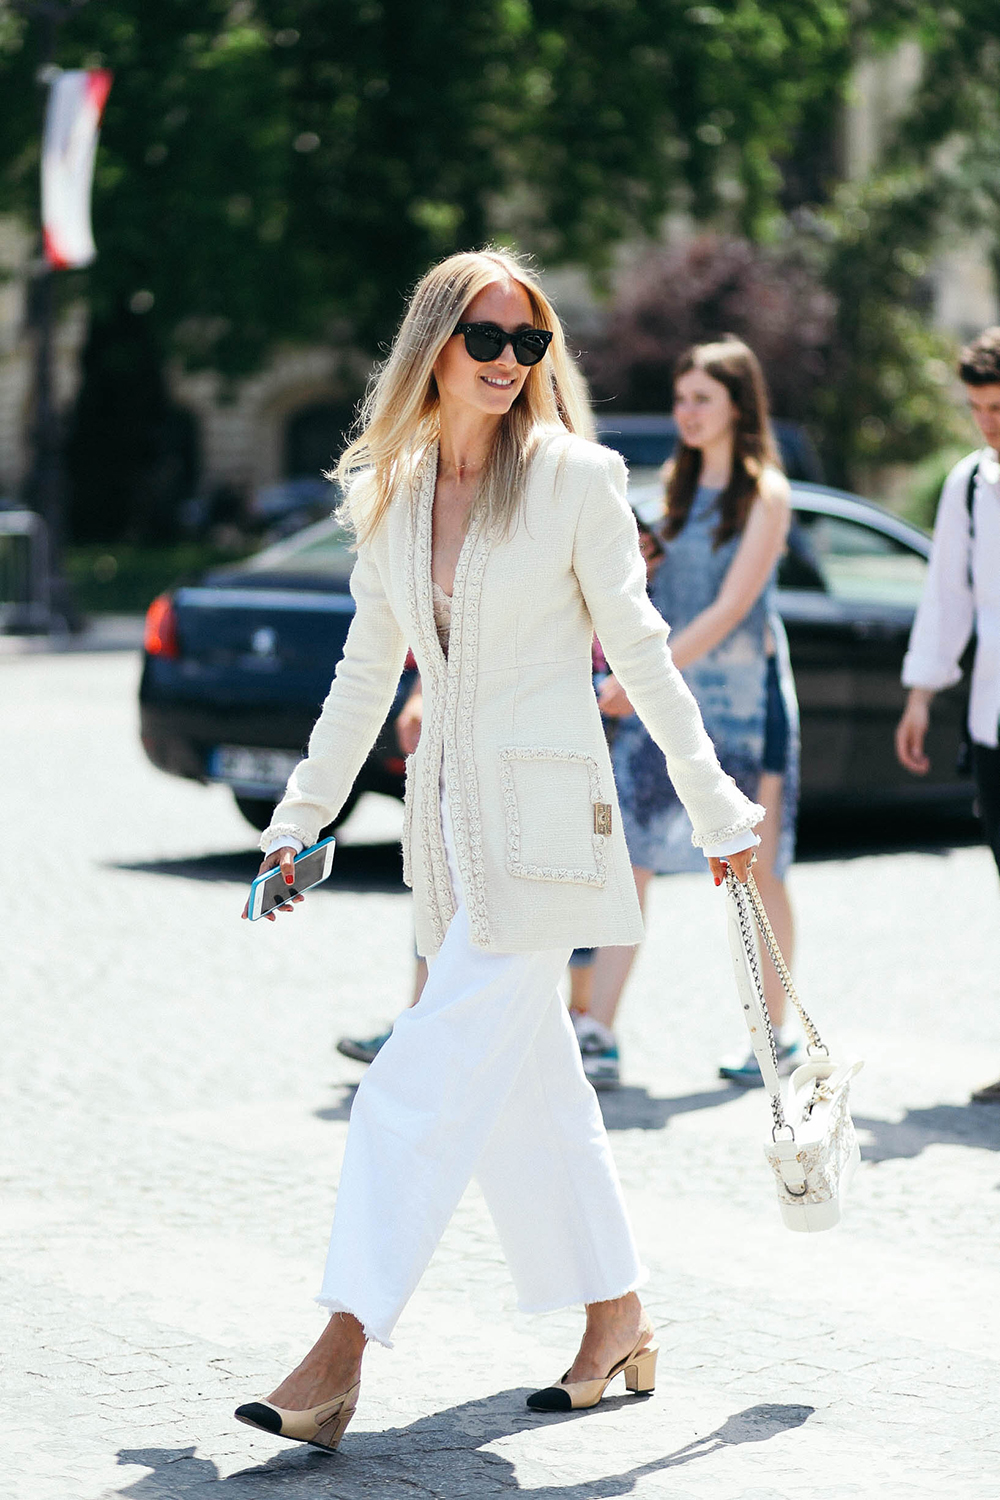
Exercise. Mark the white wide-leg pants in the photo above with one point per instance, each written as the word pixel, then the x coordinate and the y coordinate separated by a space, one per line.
pixel 482 1077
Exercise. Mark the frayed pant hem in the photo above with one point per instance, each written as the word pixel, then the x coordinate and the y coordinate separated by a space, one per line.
pixel 332 1305
pixel 586 1298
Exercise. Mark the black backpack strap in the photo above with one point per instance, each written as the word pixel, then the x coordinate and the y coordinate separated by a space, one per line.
pixel 970 496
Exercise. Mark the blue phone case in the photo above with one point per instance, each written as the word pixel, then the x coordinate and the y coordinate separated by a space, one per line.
pixel 275 875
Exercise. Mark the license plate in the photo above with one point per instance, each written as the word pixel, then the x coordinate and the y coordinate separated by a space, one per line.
pixel 252 770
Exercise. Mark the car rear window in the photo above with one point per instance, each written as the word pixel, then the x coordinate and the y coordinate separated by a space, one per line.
pixel 323 551
pixel 851 561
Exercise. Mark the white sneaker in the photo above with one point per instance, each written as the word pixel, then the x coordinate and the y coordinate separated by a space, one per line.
pixel 599 1051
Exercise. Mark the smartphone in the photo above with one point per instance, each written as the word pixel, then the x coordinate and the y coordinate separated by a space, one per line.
pixel 270 891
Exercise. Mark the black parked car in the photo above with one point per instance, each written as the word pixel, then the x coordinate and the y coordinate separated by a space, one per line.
pixel 237 667
pixel 848 588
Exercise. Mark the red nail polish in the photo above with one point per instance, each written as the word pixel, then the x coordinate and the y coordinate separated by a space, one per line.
pixel 717 880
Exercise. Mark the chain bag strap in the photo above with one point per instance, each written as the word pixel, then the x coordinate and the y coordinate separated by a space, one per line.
pixel 813 1149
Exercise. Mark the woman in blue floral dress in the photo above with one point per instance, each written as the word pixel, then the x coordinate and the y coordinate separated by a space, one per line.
pixel 727 517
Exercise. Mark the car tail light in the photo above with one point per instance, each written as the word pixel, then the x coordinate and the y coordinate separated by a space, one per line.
pixel 160 637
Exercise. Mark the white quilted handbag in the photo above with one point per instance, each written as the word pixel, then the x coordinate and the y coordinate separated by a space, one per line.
pixel 813 1149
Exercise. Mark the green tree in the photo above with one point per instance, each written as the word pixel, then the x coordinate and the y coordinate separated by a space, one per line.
pixel 694 292
pixel 285 168
pixel 889 396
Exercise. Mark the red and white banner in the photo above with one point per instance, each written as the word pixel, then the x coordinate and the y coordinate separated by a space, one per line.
pixel 69 145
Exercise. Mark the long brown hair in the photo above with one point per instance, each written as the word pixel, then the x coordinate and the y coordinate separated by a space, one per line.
pixel 734 365
pixel 400 416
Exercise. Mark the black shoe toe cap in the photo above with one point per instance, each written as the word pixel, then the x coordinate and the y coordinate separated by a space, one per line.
pixel 259 1415
pixel 551 1399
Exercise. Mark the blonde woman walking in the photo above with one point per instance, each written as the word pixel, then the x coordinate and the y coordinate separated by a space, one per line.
pixel 494 537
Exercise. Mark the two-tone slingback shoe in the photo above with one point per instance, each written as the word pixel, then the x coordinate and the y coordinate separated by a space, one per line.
pixel 638 1367
pixel 322 1426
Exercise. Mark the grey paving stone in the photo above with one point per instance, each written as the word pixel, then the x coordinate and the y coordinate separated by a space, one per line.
pixel 174 1116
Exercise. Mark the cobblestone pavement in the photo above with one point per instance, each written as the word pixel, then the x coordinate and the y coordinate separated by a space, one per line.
pixel 174 1115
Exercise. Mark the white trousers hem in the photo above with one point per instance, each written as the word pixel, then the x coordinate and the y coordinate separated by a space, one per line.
pixel 585 1299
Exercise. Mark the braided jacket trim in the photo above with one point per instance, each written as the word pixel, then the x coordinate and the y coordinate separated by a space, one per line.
pixel 721 835
pixel 285 830
pixel 463 781
pixel 442 905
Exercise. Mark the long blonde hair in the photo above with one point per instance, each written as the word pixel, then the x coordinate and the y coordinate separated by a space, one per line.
pixel 400 416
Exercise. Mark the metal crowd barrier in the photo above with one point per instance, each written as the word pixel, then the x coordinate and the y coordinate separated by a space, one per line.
pixel 25 601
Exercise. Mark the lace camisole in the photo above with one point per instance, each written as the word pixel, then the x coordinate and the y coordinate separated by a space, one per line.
pixel 442 614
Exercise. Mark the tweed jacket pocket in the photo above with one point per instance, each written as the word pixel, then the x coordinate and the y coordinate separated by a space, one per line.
pixel 553 805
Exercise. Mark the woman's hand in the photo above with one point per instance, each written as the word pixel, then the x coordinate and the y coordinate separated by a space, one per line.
pixel 613 701
pixel 739 863
pixel 285 857
pixel 409 721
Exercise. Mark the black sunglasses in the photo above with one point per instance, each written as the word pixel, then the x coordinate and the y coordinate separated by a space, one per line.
pixel 485 341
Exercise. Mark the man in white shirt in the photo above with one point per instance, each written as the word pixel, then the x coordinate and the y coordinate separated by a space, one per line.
pixel 962 595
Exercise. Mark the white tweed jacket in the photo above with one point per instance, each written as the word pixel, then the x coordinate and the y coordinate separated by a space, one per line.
pixel 512 711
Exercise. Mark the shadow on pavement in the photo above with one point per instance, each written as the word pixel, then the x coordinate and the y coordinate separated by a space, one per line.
pixel 636 1109
pixel 623 1109
pixel 341 1108
pixel 357 867
pixel 446 1447
pixel 937 1125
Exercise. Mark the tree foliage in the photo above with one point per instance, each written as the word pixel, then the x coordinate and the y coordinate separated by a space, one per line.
pixel 889 393
pixel 889 397
pixel 285 168
pixel 772 298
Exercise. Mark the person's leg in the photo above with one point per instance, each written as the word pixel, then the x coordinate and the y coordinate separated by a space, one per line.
pixel 332 1365
pixel 366 1049
pixel 612 966
pixel 549 1179
pixel 420 1120
pixel 773 894
pixel 581 976
pixel 986 767
pixel 422 1115
pixel 550 1182
pixel 742 1068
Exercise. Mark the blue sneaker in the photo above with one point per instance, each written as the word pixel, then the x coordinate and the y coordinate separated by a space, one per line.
pixel 747 1074
pixel 365 1052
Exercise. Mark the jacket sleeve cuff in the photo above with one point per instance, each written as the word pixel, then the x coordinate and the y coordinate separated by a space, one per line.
pixel 735 836
pixel 284 835
pixel 738 841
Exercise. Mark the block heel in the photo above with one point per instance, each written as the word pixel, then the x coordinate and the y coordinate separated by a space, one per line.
pixel 640 1375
